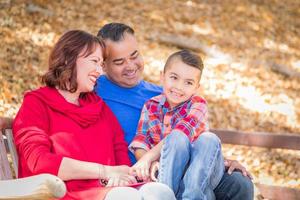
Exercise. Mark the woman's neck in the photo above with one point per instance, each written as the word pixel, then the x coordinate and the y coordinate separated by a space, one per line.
pixel 70 97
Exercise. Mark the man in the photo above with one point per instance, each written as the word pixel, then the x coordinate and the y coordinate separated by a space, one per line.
pixel 125 93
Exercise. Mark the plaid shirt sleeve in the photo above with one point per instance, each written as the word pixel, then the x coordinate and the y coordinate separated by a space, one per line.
pixel 141 139
pixel 196 121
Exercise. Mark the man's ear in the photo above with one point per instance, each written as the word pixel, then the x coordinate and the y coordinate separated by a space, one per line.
pixel 104 67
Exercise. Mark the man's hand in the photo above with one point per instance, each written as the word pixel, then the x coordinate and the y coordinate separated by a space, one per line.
pixel 154 170
pixel 235 165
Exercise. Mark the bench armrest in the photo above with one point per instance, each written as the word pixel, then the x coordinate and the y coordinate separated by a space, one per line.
pixel 42 186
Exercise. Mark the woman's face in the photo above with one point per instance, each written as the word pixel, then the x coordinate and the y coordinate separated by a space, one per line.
pixel 89 68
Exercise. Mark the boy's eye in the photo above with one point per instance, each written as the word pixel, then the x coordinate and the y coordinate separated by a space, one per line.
pixel 173 77
pixel 189 83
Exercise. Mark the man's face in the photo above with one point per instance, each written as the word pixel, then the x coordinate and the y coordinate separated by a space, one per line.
pixel 124 64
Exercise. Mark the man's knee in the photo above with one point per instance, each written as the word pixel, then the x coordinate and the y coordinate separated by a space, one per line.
pixel 235 186
pixel 156 191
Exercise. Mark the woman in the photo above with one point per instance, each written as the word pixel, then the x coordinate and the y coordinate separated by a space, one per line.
pixel 67 130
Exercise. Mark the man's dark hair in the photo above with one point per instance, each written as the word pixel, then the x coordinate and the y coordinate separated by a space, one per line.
pixel 114 31
pixel 187 57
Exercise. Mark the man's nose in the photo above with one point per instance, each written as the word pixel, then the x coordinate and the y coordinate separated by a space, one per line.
pixel 129 64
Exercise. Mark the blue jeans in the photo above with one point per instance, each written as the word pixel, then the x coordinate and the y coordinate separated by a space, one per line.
pixel 191 170
pixel 234 187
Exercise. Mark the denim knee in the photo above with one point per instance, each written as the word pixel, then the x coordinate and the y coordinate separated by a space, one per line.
pixel 178 141
pixel 235 187
pixel 208 138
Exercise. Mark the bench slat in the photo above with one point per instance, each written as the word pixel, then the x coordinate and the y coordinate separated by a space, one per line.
pixel 5 171
pixel 259 139
pixel 278 193
pixel 12 150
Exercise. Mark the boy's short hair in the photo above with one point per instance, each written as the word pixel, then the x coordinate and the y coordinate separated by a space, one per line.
pixel 187 57
pixel 114 31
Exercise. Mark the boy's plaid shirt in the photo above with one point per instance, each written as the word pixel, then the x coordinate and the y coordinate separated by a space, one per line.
pixel 158 120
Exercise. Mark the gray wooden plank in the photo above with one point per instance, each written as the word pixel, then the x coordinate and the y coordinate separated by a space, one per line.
pixel 5 171
pixel 12 150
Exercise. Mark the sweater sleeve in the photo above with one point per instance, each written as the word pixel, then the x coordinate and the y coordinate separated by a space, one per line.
pixel 32 140
pixel 120 145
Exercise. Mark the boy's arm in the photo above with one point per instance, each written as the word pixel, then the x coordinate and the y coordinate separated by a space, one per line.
pixel 142 167
pixel 196 120
pixel 138 153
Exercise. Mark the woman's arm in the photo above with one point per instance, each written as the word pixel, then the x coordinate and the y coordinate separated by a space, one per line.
pixel 71 169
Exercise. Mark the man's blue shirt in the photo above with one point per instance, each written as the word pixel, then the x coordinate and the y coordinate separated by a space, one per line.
pixel 126 103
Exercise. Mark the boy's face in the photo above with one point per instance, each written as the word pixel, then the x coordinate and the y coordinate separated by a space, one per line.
pixel 180 81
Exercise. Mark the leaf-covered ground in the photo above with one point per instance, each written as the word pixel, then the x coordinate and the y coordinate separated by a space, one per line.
pixel 252 60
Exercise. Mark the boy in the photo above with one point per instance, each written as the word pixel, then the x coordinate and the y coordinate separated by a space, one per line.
pixel 172 127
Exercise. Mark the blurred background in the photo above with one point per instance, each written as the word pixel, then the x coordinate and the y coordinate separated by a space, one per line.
pixel 250 48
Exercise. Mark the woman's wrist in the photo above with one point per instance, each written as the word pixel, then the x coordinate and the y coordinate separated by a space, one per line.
pixel 102 171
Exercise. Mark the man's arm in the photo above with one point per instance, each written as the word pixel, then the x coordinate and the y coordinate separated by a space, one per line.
pixel 5 123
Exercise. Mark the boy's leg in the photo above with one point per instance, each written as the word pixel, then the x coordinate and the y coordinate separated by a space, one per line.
pixel 205 170
pixel 175 155
pixel 234 187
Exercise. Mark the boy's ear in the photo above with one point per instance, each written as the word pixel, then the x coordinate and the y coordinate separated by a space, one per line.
pixel 161 77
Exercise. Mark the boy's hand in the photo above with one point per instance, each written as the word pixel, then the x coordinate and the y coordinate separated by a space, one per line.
pixel 154 170
pixel 118 176
pixel 142 167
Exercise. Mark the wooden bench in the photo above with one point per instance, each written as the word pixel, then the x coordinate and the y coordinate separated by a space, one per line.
pixel 266 140
pixel 46 186
pixel 43 186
